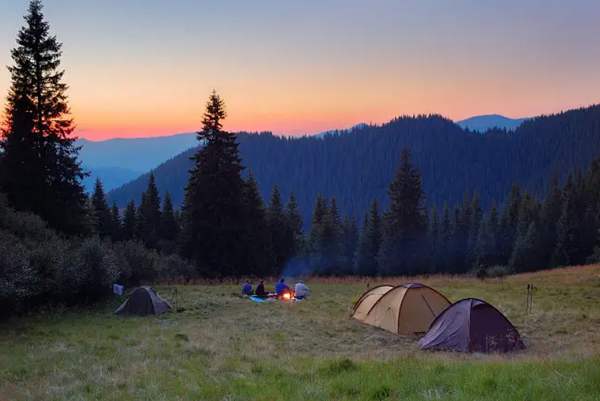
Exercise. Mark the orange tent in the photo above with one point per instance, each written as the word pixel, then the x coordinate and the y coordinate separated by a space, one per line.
pixel 406 309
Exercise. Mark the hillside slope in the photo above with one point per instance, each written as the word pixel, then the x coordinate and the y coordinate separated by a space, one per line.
pixel 357 167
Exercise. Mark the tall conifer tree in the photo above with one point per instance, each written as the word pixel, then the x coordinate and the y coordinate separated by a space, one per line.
pixel 281 234
pixel 102 214
pixel 40 172
pixel 294 221
pixel 130 222
pixel 149 216
pixel 257 239
pixel 213 211
pixel 169 227
pixel 405 223
pixel 369 243
pixel 116 228
pixel 349 244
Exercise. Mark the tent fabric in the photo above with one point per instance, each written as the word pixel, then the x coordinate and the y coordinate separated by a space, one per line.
pixel 406 309
pixel 472 325
pixel 143 301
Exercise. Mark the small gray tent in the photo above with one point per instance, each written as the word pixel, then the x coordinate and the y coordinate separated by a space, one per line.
pixel 472 325
pixel 143 301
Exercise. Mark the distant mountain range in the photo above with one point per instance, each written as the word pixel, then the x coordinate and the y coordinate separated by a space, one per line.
pixel 118 161
pixel 486 122
pixel 358 166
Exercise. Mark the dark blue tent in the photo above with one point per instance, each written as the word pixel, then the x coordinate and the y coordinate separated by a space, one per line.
pixel 472 325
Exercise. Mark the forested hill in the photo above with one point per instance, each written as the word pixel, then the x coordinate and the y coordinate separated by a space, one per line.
pixel 358 166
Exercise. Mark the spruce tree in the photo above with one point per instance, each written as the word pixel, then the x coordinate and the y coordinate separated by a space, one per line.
pixel 484 247
pixel 102 214
pixel 550 213
pixel 294 221
pixel 566 229
pixel 527 253
pixel 316 232
pixel 349 243
pixel 434 240
pixel 476 217
pixel 508 224
pixel 405 223
pixel 169 227
pixel 463 235
pixel 116 229
pixel 444 262
pixel 281 234
pixel 130 222
pixel 40 172
pixel 257 238
pixel 213 211
pixel 369 243
pixel 331 241
pixel 149 216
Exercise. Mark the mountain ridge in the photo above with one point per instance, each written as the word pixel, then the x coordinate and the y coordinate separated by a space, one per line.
pixel 486 122
pixel 358 166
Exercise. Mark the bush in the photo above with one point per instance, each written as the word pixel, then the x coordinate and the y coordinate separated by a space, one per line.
pixel 91 271
pixel 173 266
pixel 137 264
pixel 17 279
pixel 39 267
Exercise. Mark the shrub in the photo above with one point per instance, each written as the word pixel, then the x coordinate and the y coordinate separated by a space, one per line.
pixel 137 264
pixel 39 267
pixel 17 278
pixel 173 266
pixel 91 271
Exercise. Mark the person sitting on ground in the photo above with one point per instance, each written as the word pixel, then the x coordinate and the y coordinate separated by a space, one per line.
pixel 260 290
pixel 281 287
pixel 247 289
pixel 301 290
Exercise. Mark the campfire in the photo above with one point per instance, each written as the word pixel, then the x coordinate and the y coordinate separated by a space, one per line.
pixel 287 295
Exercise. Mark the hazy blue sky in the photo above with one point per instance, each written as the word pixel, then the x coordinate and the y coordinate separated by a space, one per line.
pixel 146 67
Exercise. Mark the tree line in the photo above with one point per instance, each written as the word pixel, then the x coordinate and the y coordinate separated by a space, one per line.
pixel 356 167
pixel 524 234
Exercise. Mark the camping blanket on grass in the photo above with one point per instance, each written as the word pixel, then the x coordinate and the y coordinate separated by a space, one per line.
pixel 260 300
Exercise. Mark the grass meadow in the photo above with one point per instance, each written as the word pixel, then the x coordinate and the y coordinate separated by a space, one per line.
pixel 219 346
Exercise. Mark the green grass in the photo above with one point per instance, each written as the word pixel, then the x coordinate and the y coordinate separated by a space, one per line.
pixel 222 347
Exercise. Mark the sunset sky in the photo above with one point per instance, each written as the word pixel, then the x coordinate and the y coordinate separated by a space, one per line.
pixel 146 67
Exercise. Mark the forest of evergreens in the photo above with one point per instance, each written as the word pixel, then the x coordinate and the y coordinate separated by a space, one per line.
pixel 59 246
pixel 356 167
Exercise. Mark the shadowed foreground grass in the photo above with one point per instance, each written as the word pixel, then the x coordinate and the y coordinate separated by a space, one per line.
pixel 221 347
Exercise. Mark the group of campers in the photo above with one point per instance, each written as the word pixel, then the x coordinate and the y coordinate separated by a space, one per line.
pixel 300 290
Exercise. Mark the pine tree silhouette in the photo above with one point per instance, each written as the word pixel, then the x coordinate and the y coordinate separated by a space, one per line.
pixel 405 223
pixel 102 214
pixel 213 211
pixel 40 172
